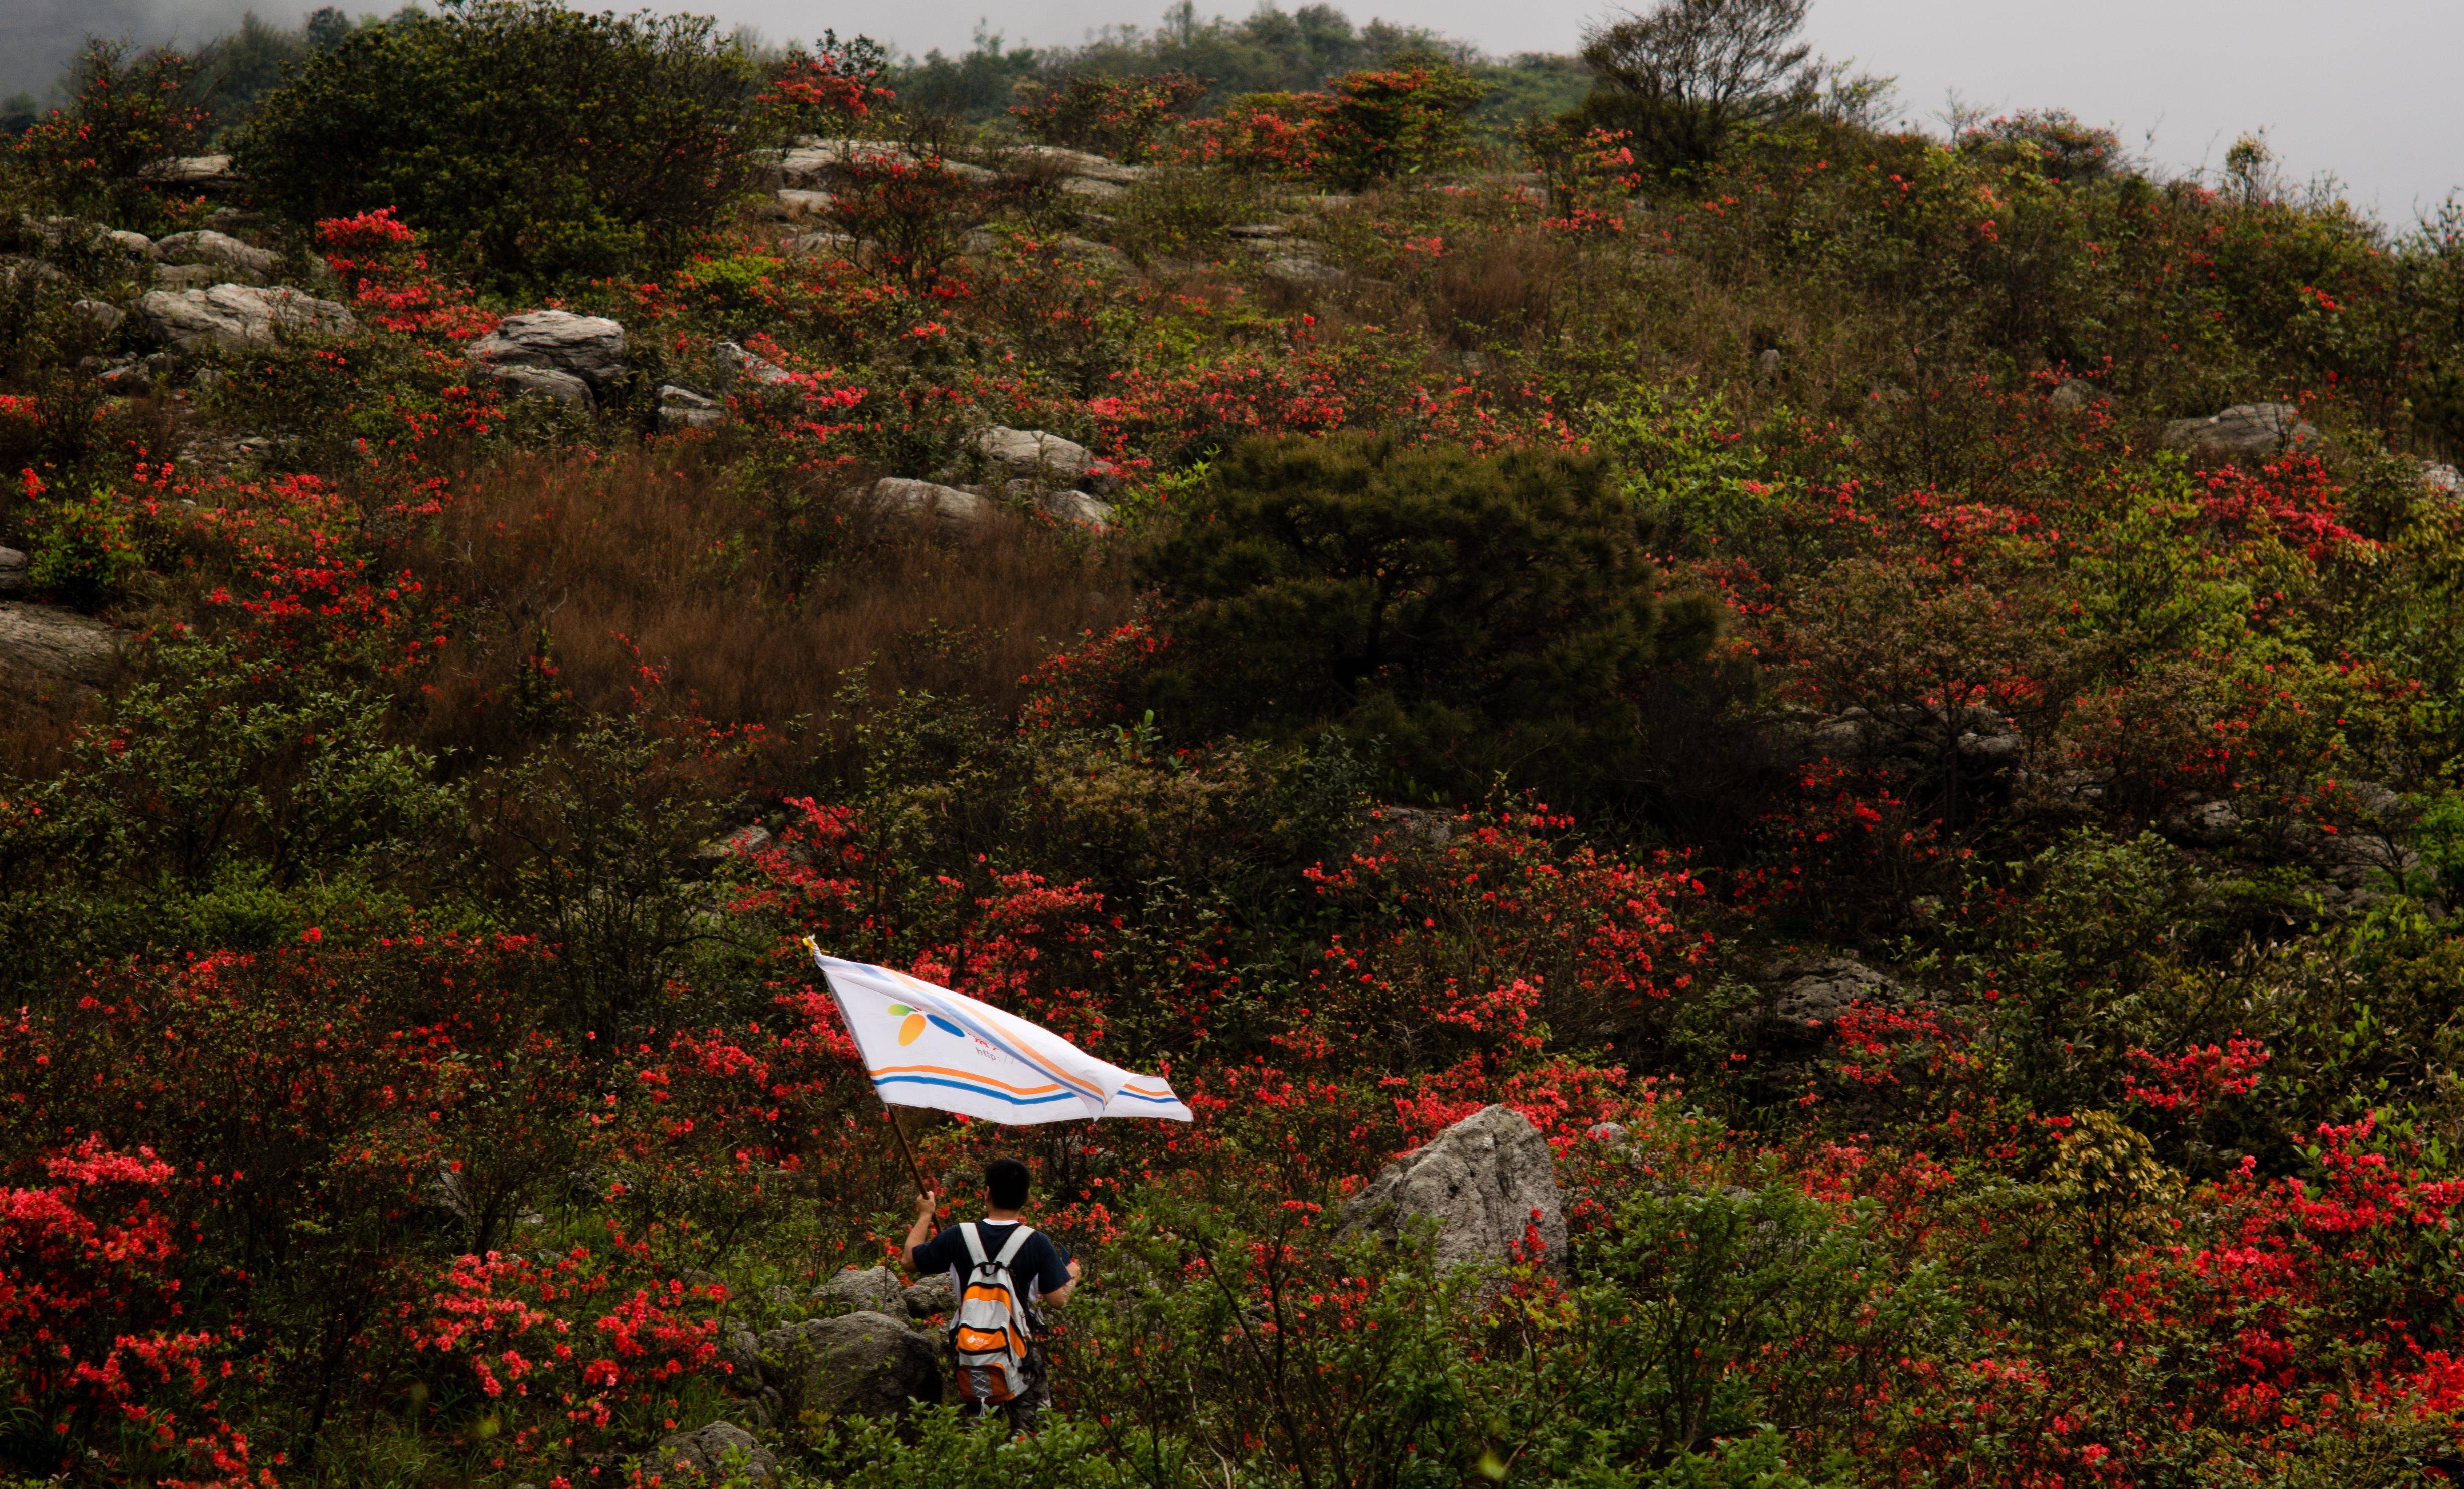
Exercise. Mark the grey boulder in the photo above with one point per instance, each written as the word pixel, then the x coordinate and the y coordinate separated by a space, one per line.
pixel 1080 163
pixel 814 161
pixel 13 570
pixel 738 364
pixel 714 1454
pixel 1296 268
pixel 1032 453
pixel 238 316
pixel 857 1364
pixel 2244 431
pixel 57 643
pixel 821 241
pixel 872 1290
pixel 589 347
pixel 934 1295
pixel 517 380
pixel 97 317
pixel 194 173
pixel 1483 1182
pixel 218 249
pixel 1079 508
pixel 683 409
pixel 947 504
pixel 191 276
pixel 1814 992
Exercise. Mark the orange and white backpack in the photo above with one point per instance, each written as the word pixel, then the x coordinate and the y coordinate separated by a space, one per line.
pixel 990 1333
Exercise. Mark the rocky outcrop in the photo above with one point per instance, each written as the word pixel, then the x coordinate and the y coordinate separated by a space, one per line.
pixel 2245 431
pixel 13 570
pixel 97 317
pixel 589 348
pixel 872 1290
pixel 1302 269
pixel 1078 508
pixel 517 382
pixel 947 504
pixel 238 316
pixel 735 364
pixel 219 251
pixel 934 1296
pixel 721 1452
pixel 57 643
pixel 1087 251
pixel 1032 454
pixel 1079 165
pixel 822 241
pixel 812 161
pixel 1816 990
pixel 864 1364
pixel 202 173
pixel 1480 1182
pixel 1982 738
pixel 683 409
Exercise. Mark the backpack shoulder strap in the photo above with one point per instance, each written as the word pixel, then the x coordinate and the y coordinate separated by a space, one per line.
pixel 975 1242
pixel 1017 1242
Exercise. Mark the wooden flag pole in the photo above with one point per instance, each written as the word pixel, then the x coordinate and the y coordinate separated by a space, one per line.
pixel 923 1185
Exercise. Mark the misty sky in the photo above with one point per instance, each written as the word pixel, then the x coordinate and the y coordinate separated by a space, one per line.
pixel 2369 90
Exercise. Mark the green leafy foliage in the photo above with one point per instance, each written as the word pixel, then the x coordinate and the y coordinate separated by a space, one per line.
pixel 1482 614
pixel 542 141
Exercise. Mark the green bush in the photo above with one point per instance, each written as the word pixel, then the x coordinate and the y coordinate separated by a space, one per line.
pixel 86 549
pixel 546 142
pixel 1488 614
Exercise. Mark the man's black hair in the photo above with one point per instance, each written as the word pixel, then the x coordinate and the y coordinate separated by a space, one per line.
pixel 1005 1184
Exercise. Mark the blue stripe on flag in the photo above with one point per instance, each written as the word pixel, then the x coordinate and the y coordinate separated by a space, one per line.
pixel 973 1089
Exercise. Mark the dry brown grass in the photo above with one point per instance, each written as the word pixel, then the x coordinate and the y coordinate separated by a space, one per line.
pixel 654 583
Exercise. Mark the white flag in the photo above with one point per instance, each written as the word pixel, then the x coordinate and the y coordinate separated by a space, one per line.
pixel 928 1046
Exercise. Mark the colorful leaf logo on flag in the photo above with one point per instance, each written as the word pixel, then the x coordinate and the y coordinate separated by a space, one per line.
pixel 917 1020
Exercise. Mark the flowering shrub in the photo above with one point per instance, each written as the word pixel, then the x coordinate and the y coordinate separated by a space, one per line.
pixel 1367 126
pixel 130 113
pixel 1124 117
pixel 561 1353
pixel 89 1326
pixel 834 85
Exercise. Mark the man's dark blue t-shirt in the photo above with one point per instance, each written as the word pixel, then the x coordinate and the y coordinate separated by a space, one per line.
pixel 1041 1266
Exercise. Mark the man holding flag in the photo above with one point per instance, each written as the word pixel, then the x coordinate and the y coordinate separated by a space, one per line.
pixel 1045 1269
pixel 927 1047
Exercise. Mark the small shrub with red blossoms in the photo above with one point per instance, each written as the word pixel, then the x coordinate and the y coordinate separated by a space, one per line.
pixel 1123 118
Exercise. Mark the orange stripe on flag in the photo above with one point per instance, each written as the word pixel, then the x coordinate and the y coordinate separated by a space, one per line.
pixel 965 1075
